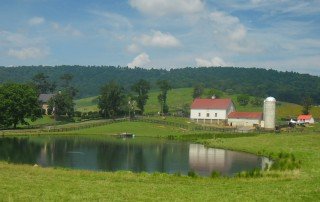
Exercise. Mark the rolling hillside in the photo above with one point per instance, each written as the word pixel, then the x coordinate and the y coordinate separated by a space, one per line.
pixel 177 98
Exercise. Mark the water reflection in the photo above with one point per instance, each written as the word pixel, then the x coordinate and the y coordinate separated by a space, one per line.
pixel 139 154
pixel 205 160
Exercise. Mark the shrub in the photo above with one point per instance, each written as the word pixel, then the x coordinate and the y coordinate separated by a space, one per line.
pixel 253 173
pixel 285 161
pixel 215 174
pixel 191 173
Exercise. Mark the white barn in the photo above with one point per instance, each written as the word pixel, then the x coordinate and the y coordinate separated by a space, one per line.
pixel 305 119
pixel 247 119
pixel 211 110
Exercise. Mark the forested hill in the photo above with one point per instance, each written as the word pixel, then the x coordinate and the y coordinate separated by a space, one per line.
pixel 285 86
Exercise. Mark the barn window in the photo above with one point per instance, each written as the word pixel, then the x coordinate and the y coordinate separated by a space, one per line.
pixel 215 114
pixel 199 114
pixel 208 114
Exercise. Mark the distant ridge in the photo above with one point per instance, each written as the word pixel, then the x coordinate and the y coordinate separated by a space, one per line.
pixel 285 86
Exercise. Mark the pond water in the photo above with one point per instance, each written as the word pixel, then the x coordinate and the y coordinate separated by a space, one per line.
pixel 105 153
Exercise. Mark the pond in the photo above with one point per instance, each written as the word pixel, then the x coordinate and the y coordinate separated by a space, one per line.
pixel 105 153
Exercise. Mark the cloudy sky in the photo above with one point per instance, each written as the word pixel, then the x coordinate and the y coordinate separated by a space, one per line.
pixel 279 34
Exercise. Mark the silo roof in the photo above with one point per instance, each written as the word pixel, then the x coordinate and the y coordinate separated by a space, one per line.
pixel 270 99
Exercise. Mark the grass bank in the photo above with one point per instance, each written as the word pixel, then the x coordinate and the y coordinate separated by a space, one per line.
pixel 23 182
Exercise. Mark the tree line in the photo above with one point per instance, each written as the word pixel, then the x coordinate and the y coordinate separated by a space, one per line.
pixel 285 86
pixel 19 102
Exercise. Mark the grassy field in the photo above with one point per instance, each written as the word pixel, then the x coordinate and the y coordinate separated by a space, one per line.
pixel 23 182
pixel 137 128
pixel 177 98
pixel 42 121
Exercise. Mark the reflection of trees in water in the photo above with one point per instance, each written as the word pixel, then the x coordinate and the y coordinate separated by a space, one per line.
pixel 151 157
pixel 19 150
pixel 109 154
pixel 120 156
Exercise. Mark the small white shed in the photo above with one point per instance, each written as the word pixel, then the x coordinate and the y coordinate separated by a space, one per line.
pixel 305 119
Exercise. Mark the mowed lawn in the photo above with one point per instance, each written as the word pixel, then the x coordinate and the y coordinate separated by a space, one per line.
pixel 22 182
pixel 137 128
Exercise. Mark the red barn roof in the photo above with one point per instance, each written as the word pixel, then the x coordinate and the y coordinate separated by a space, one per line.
pixel 245 115
pixel 211 103
pixel 304 117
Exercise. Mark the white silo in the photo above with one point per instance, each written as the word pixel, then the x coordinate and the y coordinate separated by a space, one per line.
pixel 269 113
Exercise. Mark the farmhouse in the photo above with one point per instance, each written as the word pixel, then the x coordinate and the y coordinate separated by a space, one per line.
pixel 245 119
pixel 223 111
pixel 305 119
pixel 211 110
pixel 44 99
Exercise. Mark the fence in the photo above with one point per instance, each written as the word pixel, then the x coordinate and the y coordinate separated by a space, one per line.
pixel 84 125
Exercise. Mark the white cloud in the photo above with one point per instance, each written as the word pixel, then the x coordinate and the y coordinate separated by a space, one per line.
pixel 167 7
pixel 139 61
pixel 133 48
pixel 159 39
pixel 28 53
pixel 21 46
pixel 36 21
pixel 66 30
pixel 113 19
pixel 229 25
pixel 238 33
pixel 214 62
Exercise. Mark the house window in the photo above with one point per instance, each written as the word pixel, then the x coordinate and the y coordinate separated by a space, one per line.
pixel 215 114
pixel 208 114
pixel 199 114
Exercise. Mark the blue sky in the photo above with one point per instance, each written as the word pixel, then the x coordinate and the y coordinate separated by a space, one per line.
pixel 278 34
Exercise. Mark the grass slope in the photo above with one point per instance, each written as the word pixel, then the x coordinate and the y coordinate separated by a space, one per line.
pixel 22 182
pixel 137 128
pixel 179 97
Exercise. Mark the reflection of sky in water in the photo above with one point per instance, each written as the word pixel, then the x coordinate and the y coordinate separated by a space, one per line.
pixel 139 154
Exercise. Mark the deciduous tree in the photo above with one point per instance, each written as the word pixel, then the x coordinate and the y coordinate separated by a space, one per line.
pixel 17 103
pixel 162 97
pixel 198 90
pixel 142 88
pixel 111 100
pixel 243 99
pixel 61 105
pixel 307 105
pixel 42 83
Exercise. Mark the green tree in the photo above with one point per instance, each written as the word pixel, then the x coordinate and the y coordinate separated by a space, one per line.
pixel 66 80
pixel 162 97
pixel 307 105
pixel 142 88
pixel 42 83
pixel 61 105
pixel 198 90
pixel 258 102
pixel 243 99
pixel 111 100
pixel 214 92
pixel 18 102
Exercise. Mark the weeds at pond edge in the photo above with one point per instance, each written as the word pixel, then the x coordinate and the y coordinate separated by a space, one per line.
pixel 282 162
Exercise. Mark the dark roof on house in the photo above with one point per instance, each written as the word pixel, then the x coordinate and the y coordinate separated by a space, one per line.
pixel 211 103
pixel 305 117
pixel 245 115
pixel 44 98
